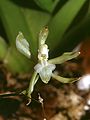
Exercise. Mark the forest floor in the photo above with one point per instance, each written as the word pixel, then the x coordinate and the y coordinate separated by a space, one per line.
pixel 60 101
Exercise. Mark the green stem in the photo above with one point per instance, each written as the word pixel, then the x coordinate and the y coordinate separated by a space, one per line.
pixel 32 83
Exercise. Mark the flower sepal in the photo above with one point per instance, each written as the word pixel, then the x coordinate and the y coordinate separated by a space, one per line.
pixel 23 45
pixel 64 57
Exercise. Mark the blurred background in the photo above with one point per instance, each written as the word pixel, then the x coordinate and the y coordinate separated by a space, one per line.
pixel 69 30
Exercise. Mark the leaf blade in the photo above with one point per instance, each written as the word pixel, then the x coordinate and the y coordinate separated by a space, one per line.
pixel 8 14
pixel 62 20
pixel 48 5
pixel 3 48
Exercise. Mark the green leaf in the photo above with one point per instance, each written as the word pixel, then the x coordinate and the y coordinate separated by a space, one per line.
pixel 65 57
pixel 48 5
pixel 14 21
pixel 16 62
pixel 62 20
pixel 3 48
pixel 64 80
pixel 75 35
pixel 36 20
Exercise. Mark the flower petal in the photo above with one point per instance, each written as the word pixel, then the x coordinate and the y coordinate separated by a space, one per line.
pixel 43 35
pixel 45 72
pixel 64 57
pixel 38 67
pixel 22 45
pixel 63 79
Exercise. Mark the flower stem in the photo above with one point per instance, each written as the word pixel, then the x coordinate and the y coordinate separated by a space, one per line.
pixel 32 83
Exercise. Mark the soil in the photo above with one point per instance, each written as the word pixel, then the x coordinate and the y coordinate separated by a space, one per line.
pixel 58 101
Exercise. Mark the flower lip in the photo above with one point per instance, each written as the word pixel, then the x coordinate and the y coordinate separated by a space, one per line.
pixel 45 71
pixel 39 67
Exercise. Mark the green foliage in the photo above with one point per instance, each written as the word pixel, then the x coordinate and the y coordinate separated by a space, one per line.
pixel 15 17
pixel 35 20
pixel 62 20
pixel 14 20
pixel 48 5
pixel 3 48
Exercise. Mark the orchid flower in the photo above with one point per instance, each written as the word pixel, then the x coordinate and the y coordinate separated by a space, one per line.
pixel 45 67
